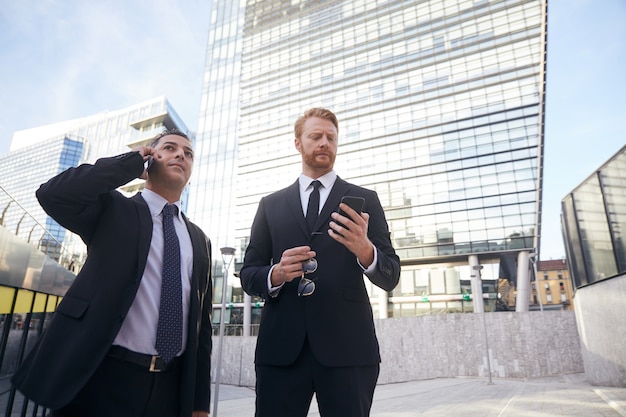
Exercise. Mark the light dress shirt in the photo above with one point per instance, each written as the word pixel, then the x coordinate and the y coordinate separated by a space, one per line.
pixel 327 180
pixel 138 331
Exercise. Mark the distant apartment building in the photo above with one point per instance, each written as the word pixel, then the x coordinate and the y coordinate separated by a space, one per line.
pixel 552 288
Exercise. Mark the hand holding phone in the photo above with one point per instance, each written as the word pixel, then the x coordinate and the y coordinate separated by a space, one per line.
pixel 355 203
pixel 149 163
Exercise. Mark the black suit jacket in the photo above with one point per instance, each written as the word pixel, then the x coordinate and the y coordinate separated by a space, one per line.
pixel 117 231
pixel 337 318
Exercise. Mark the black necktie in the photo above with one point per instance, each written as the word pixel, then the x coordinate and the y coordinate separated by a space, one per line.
pixel 170 327
pixel 314 206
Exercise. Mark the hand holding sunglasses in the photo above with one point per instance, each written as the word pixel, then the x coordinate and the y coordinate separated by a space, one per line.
pixel 306 286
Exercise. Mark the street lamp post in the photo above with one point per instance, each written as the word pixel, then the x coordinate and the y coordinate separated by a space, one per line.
pixel 227 257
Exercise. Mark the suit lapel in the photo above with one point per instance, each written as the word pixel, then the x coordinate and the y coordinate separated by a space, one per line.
pixel 145 233
pixel 340 188
pixel 332 203
pixel 295 206
pixel 198 282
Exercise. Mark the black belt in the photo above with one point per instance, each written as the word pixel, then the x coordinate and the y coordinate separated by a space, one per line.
pixel 152 363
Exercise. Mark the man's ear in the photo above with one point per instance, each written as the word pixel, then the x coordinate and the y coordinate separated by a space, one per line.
pixel 298 144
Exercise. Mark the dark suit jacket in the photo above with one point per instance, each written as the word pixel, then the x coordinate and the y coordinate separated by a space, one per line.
pixel 337 318
pixel 117 231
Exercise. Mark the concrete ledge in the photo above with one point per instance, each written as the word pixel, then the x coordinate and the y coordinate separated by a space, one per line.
pixel 521 345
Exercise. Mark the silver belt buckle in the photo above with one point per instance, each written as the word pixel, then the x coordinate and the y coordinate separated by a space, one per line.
pixel 153 364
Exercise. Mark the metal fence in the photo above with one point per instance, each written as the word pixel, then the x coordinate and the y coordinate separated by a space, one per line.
pixel 21 324
pixel 35 273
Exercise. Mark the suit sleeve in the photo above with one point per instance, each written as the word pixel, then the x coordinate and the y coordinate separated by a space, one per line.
pixel 387 273
pixel 74 197
pixel 258 258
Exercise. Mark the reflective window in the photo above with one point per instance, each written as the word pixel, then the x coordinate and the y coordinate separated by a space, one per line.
pixel 438 111
pixel 594 217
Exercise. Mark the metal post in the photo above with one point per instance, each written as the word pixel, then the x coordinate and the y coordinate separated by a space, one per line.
pixel 477 268
pixel 383 304
pixel 247 314
pixel 477 287
pixel 522 300
pixel 533 262
pixel 227 257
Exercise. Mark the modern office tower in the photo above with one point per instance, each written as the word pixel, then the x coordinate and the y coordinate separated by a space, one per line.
pixel 21 173
pixel 594 224
pixel 212 189
pixel 440 108
pixel 593 220
pixel 40 153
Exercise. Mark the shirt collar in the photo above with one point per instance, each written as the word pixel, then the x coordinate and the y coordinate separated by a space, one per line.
pixel 156 202
pixel 327 180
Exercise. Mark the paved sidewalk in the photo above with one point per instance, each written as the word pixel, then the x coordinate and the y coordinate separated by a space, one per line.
pixel 568 395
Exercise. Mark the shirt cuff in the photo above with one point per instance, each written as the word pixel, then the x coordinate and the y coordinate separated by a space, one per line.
pixel 274 291
pixel 372 267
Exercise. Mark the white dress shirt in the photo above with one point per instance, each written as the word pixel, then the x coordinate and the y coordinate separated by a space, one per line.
pixel 138 331
pixel 327 180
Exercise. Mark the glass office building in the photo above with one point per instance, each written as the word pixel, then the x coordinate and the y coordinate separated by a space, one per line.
pixel 40 153
pixel 593 220
pixel 440 107
pixel 22 173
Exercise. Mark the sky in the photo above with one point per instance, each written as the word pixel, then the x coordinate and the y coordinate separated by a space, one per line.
pixel 66 59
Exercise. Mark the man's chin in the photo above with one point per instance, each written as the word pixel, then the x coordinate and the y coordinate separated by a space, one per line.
pixel 180 181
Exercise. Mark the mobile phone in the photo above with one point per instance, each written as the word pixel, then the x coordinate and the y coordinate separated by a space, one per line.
pixel 355 203
pixel 149 163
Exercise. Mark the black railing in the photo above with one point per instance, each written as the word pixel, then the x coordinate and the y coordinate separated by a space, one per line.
pixel 235 330
pixel 35 272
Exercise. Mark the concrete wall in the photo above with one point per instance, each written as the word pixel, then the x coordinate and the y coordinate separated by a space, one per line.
pixel 521 345
pixel 600 314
